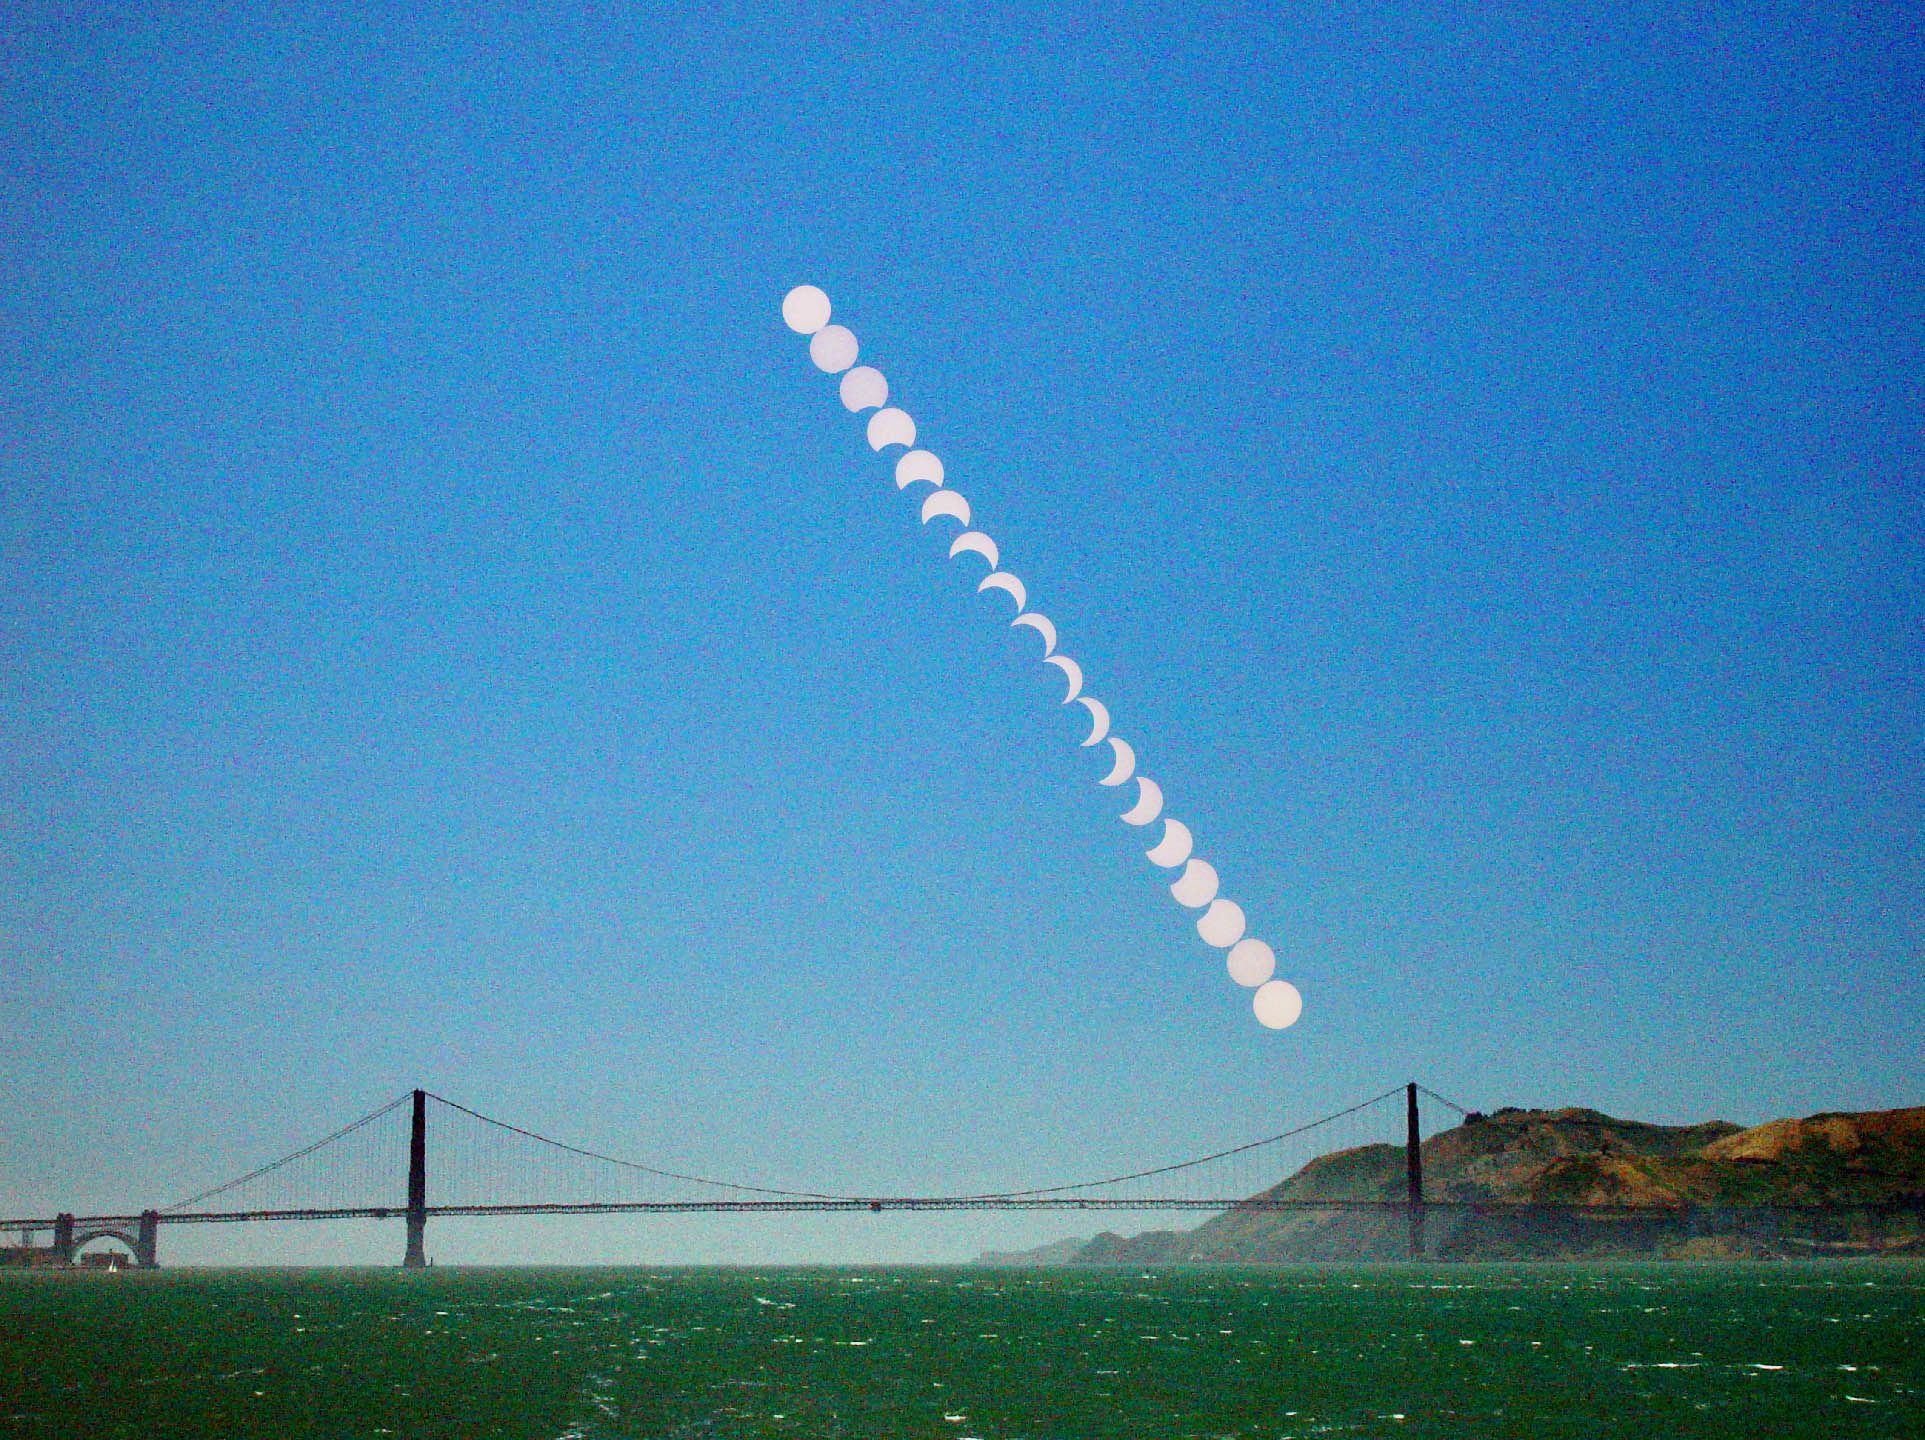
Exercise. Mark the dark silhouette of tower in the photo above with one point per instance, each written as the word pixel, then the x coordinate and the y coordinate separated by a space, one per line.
pixel 417 1257
pixel 1413 1172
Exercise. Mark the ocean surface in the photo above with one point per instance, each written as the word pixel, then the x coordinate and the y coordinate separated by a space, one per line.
pixel 1652 1351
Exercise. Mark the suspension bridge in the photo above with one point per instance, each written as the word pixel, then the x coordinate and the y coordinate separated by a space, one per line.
pixel 383 1166
pixel 485 1166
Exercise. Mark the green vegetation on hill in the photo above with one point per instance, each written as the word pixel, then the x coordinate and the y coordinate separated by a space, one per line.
pixel 1555 1182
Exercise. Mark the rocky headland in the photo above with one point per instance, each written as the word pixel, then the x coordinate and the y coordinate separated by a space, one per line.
pixel 1554 1184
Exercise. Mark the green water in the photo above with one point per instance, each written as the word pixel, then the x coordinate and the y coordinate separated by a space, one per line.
pixel 1833 1349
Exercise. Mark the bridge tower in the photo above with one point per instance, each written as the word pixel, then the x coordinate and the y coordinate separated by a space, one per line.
pixel 147 1241
pixel 417 1257
pixel 63 1238
pixel 1413 1171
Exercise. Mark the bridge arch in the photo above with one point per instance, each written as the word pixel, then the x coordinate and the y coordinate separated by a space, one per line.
pixel 85 1236
pixel 140 1234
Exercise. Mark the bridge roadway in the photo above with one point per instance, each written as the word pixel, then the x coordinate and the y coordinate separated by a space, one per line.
pixel 927 1204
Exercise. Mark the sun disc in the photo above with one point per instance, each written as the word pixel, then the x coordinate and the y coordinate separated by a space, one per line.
pixel 1251 962
pixel 1196 886
pixel 891 427
pixel 976 543
pixel 1277 1004
pixel 805 309
pixel 945 502
pixel 1222 924
pixel 833 348
pixel 918 465
pixel 864 388
pixel 1175 846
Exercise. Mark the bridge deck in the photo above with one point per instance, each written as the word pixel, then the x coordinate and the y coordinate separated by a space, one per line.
pixel 880 1204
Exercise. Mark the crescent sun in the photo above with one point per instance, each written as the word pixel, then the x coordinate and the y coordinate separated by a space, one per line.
pixel 1042 626
pixel 945 502
pixel 1196 886
pixel 863 388
pixel 1125 765
pixel 1071 669
pixel 1099 720
pixel 1175 846
pixel 1002 580
pixel 1222 924
pixel 979 543
pixel 891 427
pixel 1149 802
pixel 918 465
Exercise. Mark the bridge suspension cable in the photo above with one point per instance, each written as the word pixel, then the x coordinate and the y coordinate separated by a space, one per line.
pixel 634 1165
pixel 286 1160
pixel 842 1197
pixel 1441 1100
pixel 1191 1164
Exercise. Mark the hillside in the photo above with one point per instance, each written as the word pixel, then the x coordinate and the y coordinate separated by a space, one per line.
pixel 1559 1158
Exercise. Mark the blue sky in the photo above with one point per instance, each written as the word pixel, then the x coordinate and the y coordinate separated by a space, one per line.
pixel 454 637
